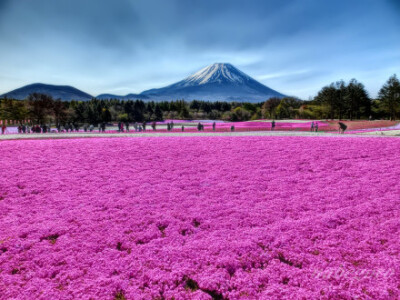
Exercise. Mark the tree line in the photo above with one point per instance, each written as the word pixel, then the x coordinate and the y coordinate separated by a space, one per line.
pixel 339 100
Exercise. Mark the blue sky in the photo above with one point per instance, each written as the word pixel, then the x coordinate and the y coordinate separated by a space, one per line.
pixel 127 46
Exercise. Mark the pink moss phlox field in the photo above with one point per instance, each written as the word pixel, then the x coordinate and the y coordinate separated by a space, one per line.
pixel 278 125
pixel 200 218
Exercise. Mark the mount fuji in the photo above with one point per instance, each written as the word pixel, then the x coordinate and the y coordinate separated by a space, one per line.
pixel 217 82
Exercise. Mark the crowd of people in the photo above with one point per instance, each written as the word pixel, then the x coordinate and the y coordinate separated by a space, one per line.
pixel 138 127
pixel 46 128
pixel 74 127
pixel 170 126
pixel 125 126
pixel 314 126
pixel 200 127
pixel 28 129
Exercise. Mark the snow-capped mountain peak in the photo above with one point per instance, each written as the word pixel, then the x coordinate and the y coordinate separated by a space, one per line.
pixel 216 73
pixel 217 82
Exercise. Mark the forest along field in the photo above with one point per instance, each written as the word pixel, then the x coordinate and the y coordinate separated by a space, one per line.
pixel 200 217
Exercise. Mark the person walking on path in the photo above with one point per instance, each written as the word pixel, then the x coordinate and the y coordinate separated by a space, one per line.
pixel 273 125
pixel 213 126
pixel 342 127
pixel 3 128
pixel 312 126
pixel 153 125
pixel 316 127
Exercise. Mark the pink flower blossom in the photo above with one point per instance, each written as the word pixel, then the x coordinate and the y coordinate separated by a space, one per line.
pixel 200 218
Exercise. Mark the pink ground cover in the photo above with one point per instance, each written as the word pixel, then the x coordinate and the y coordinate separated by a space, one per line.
pixel 278 125
pixel 200 218
pixel 360 125
pixel 256 126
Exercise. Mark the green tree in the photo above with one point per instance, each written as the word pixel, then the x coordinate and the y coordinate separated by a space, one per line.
pixel 195 105
pixel 129 109
pixel 40 107
pixel 150 110
pixel 328 96
pixel 240 114
pixel 79 110
pixel 123 117
pixel 269 107
pixel 339 104
pixel 106 115
pixel 59 112
pixel 158 113
pixel 13 110
pixel 139 109
pixel 389 95
pixel 283 109
pixel 357 100
pixel 184 112
pixel 206 107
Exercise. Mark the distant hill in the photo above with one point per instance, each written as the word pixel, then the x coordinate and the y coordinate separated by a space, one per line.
pixel 66 93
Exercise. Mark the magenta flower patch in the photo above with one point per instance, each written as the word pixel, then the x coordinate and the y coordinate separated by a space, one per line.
pixel 200 218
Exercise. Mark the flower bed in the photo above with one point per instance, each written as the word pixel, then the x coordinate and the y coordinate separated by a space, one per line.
pixel 362 125
pixel 200 217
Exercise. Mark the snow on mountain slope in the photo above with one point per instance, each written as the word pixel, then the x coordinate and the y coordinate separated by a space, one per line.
pixel 217 73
